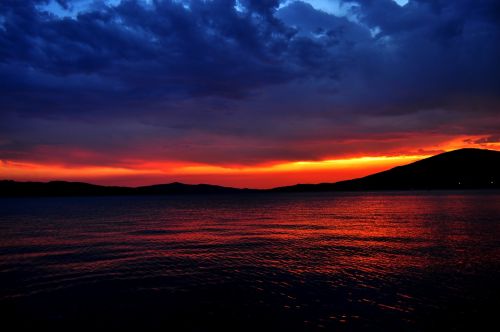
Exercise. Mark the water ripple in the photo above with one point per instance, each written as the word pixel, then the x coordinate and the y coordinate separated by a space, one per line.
pixel 298 262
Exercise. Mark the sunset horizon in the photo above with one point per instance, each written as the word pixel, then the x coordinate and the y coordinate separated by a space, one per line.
pixel 249 165
pixel 240 93
pixel 265 176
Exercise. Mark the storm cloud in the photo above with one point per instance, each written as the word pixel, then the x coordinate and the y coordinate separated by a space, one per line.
pixel 243 82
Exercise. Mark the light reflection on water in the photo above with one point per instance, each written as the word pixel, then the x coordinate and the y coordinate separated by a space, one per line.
pixel 394 261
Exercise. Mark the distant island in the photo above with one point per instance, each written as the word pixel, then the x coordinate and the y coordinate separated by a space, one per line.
pixel 454 170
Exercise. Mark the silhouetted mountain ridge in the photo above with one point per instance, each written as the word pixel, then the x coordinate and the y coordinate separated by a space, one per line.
pixel 63 188
pixel 459 169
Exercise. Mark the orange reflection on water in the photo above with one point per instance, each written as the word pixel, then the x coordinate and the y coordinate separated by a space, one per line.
pixel 312 259
pixel 370 233
pixel 377 234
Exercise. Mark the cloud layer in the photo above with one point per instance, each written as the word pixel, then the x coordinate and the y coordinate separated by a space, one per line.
pixel 243 82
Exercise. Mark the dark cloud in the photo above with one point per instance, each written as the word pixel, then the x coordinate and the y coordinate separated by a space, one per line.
pixel 242 81
pixel 485 140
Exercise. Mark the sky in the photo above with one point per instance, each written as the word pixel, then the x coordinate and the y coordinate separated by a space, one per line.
pixel 242 93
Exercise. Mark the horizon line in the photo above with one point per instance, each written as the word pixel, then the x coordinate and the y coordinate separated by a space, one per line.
pixel 249 188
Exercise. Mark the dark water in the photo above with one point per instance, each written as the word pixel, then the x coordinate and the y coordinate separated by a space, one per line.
pixel 353 262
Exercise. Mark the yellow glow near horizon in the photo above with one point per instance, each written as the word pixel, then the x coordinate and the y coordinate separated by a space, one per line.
pixel 38 171
pixel 297 166
pixel 144 172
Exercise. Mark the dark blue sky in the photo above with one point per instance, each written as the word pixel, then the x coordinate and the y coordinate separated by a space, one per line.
pixel 245 82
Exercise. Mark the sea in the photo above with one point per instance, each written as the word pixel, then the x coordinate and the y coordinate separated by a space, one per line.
pixel 392 261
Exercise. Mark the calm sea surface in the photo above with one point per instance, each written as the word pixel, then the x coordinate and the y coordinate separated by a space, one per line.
pixel 353 262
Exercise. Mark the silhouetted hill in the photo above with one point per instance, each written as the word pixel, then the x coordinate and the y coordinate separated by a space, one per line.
pixel 62 188
pixel 459 169
pixel 181 188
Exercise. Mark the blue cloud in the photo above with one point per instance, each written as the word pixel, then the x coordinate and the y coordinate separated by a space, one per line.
pixel 251 71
